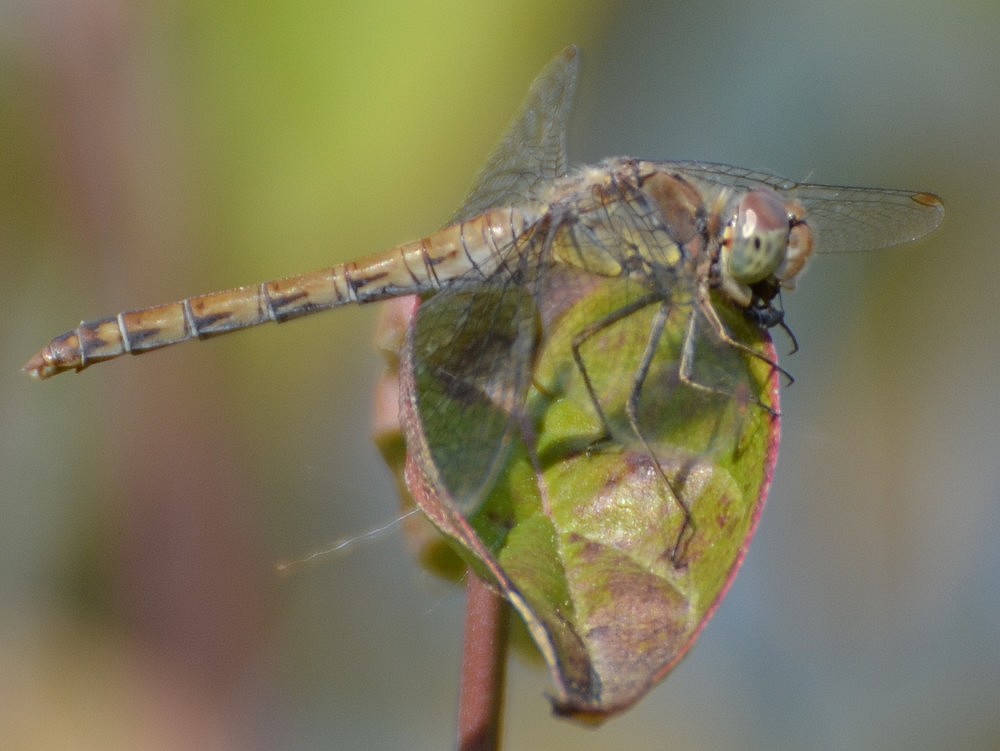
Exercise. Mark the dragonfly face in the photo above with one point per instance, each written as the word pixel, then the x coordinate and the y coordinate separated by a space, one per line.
pixel 756 243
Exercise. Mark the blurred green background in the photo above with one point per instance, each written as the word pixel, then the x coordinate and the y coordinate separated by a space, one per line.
pixel 155 150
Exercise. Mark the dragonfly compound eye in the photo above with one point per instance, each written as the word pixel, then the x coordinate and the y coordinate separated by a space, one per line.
pixel 759 237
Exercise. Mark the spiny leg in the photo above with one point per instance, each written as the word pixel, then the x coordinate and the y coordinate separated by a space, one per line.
pixel 705 307
pixel 632 405
pixel 687 530
pixel 769 317
pixel 592 330
pixel 764 312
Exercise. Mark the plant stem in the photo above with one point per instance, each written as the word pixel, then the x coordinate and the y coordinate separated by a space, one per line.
pixel 484 660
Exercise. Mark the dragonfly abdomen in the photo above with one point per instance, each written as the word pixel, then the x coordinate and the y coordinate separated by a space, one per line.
pixel 137 331
pixel 471 249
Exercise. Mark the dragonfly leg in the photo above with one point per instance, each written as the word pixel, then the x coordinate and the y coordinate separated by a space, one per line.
pixel 687 352
pixel 769 317
pixel 592 330
pixel 687 530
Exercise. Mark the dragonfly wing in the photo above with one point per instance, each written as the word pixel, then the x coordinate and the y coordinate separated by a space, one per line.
pixel 844 219
pixel 533 150
pixel 472 344
pixel 850 219
pixel 471 353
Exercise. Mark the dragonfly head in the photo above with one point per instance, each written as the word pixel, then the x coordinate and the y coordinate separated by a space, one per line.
pixel 765 241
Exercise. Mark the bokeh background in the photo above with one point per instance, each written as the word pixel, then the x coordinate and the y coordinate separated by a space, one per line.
pixel 155 150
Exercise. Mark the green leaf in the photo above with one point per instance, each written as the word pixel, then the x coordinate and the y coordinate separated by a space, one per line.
pixel 585 528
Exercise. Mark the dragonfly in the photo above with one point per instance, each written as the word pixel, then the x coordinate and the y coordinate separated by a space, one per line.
pixel 532 229
pixel 603 330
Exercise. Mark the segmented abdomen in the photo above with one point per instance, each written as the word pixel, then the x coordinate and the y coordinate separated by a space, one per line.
pixel 474 248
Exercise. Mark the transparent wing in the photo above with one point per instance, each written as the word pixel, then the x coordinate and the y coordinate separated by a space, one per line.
pixel 472 345
pixel 844 219
pixel 533 149
pixel 472 350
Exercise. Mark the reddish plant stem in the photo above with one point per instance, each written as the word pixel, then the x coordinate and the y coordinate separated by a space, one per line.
pixel 484 661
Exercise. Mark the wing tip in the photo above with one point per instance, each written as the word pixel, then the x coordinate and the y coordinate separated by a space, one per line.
pixel 929 200
pixel 934 208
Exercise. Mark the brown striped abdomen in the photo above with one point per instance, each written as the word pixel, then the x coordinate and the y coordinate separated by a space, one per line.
pixel 472 248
